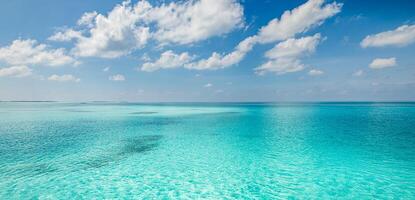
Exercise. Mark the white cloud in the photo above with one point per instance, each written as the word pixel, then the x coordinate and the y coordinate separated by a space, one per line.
pixel 280 66
pixel 285 56
pixel 66 35
pixel 29 52
pixel 113 35
pixel 293 48
pixel 358 73
pixel 315 72
pixel 64 78
pixel 208 85
pixel 299 20
pixel 117 77
pixel 106 69
pixel 16 71
pixel 217 61
pixel 193 21
pixel 167 60
pixel 402 36
pixel 380 63
pixel 127 26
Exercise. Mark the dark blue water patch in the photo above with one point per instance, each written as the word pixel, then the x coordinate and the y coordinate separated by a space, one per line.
pixel 129 147
pixel 149 121
pixel 143 113
pixel 215 115
pixel 96 161
pixel 140 144
pixel 78 111
pixel 221 113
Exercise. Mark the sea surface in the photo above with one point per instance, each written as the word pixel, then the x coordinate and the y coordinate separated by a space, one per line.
pixel 51 150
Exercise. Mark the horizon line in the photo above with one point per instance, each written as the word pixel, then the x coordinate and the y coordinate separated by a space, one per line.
pixel 207 102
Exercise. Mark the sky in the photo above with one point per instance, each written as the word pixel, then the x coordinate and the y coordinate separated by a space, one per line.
pixel 207 50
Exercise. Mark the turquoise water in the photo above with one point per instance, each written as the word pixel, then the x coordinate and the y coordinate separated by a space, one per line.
pixel 208 151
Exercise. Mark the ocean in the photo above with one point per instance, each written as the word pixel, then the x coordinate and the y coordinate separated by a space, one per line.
pixel 101 150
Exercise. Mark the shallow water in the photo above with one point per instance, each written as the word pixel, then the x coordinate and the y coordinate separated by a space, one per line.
pixel 211 151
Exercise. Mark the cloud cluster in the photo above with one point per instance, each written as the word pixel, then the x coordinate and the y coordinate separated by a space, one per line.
pixel 401 36
pixel 218 61
pixel 380 63
pixel 293 48
pixel 285 56
pixel 131 26
pixel 299 20
pixel 63 78
pixel 192 21
pixel 128 27
pixel 21 54
pixel 113 35
pixel 29 52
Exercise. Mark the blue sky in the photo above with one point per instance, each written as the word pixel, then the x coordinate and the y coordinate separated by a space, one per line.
pixel 207 50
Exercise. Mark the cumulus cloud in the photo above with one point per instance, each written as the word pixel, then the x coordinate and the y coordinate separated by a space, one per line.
pixel 106 69
pixel 292 48
pixel 115 34
pixel 167 60
pixel 380 63
pixel 63 78
pixel 127 26
pixel 208 85
pixel 117 77
pixel 285 56
pixel 280 66
pixel 218 61
pixel 299 20
pixel 401 36
pixel 315 72
pixel 192 21
pixel 29 52
pixel 16 71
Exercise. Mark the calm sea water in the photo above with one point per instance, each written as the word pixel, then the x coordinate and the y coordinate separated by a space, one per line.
pixel 209 151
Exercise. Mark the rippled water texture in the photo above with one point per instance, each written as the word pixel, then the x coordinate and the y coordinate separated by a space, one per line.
pixel 210 151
